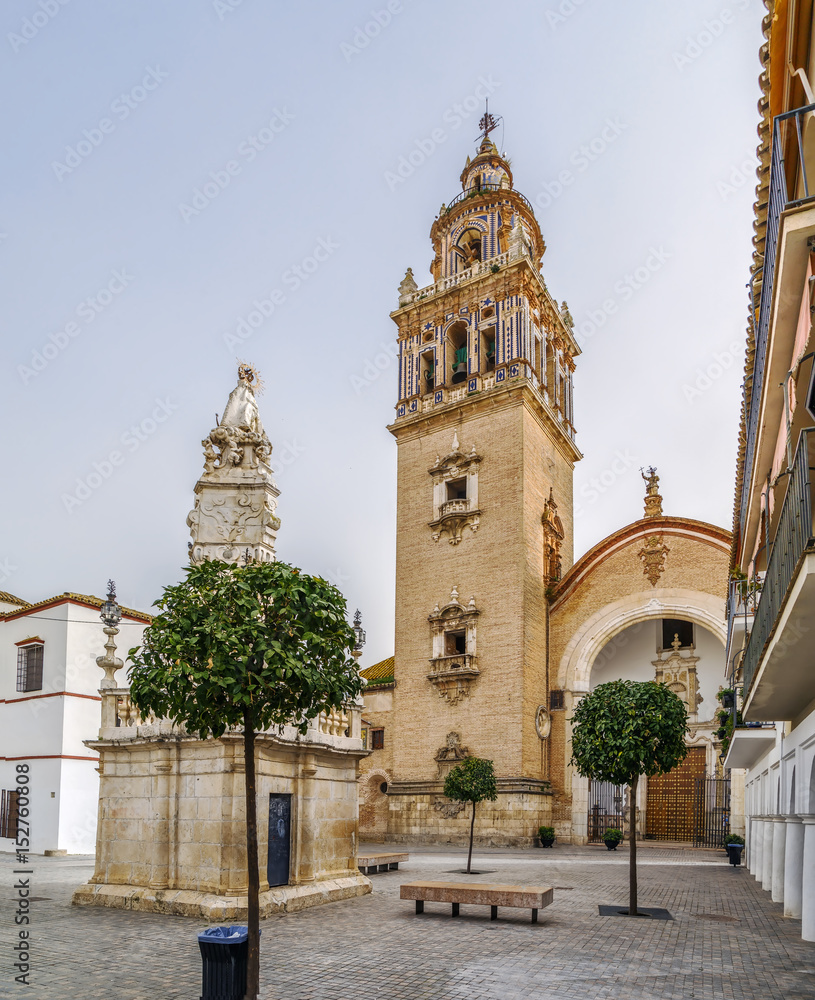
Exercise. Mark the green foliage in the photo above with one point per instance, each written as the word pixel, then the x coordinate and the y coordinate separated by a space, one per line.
pixel 728 721
pixel 627 728
pixel 380 682
pixel 612 835
pixel 546 832
pixel 733 838
pixel 473 780
pixel 263 637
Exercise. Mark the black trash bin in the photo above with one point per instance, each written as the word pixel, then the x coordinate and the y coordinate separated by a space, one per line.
pixel 224 952
pixel 734 853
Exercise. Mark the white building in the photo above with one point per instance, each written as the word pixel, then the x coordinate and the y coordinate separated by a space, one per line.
pixel 772 601
pixel 49 703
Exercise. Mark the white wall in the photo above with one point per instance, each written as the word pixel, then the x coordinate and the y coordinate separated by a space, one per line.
pixel 628 656
pixel 46 728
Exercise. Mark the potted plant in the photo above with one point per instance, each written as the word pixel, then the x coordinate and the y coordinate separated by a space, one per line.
pixel 612 837
pixel 734 845
pixel 727 697
pixel 546 834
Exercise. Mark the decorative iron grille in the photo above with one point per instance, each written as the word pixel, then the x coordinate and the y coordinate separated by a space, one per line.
pixel 606 809
pixel 711 812
pixel 29 668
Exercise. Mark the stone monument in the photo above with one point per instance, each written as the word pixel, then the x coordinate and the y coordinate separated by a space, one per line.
pixel 171 836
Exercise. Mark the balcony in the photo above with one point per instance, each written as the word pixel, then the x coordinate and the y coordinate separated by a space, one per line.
pixel 742 599
pixel 453 675
pixel 778 679
pixel 450 507
pixel 748 745
pixel 790 225
pixel 486 190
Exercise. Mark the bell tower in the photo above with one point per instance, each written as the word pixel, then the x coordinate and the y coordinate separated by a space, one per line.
pixel 486 450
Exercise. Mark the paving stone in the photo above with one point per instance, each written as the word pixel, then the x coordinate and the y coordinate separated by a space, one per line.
pixel 376 948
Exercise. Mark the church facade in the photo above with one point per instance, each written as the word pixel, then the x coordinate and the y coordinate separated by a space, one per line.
pixel 488 601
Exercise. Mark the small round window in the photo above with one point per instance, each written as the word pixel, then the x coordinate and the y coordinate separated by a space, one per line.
pixel 383 787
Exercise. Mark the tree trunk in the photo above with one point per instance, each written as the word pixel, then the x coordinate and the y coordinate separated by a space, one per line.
pixel 632 836
pixel 470 854
pixel 253 905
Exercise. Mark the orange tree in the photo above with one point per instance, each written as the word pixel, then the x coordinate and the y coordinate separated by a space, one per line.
pixel 473 780
pixel 256 646
pixel 624 729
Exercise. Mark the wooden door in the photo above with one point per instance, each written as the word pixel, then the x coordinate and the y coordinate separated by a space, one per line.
pixel 669 807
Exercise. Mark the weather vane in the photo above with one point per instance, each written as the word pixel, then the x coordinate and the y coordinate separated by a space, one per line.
pixel 488 122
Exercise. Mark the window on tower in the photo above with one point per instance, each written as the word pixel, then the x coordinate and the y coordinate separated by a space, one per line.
pixel 468 248
pixel 455 643
pixel 488 349
pixel 428 370
pixel 457 489
pixel 457 351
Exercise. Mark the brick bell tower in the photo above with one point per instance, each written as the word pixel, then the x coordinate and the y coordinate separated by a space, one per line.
pixel 486 451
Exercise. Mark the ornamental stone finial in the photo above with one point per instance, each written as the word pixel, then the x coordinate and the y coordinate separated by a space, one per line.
pixel 407 286
pixel 653 500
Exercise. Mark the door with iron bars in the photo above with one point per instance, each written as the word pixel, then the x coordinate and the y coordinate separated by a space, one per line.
pixel 277 865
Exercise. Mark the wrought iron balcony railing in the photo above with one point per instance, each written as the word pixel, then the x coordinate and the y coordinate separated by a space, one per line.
pixel 789 178
pixel 793 537
pixel 486 189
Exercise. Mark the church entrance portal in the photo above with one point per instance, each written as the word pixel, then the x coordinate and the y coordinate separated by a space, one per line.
pixel 670 808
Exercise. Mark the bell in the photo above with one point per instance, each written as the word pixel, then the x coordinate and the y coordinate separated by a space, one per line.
pixel 459 374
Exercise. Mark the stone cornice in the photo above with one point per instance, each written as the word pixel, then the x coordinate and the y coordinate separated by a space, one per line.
pixel 685 527
pixel 505 786
pixel 503 397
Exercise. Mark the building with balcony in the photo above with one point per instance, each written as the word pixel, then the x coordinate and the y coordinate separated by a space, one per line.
pixel 772 597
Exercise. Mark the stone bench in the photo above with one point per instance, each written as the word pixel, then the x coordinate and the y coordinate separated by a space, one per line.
pixel 479 894
pixel 370 863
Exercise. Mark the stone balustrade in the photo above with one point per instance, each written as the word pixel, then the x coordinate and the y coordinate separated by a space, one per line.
pixel 122 722
pixel 454 507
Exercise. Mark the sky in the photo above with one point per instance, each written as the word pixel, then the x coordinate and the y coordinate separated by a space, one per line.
pixel 171 170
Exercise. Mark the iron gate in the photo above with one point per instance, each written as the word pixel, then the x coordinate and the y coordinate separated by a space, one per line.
pixel 711 812
pixel 606 808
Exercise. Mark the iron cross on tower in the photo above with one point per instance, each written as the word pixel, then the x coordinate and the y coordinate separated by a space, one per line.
pixel 488 122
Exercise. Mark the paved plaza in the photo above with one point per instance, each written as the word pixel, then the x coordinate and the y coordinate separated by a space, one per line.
pixel 727 939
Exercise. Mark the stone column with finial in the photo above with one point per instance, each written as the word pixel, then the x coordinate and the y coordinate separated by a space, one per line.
pixel 111 615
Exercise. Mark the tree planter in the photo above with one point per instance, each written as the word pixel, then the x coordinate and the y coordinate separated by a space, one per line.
pixel 734 853
pixel 612 837
pixel 545 841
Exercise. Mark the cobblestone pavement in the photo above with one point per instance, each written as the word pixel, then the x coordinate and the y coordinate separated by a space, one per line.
pixel 376 948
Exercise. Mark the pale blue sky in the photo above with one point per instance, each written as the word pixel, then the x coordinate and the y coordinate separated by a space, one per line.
pixel 655 219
